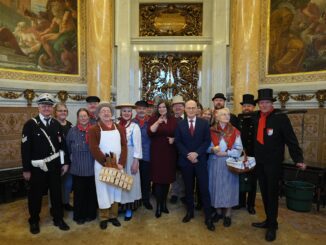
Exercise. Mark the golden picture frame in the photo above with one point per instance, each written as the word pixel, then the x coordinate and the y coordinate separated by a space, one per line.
pixel 285 55
pixel 62 71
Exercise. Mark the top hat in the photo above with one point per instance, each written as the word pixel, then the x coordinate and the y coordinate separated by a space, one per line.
pixel 248 99
pixel 178 99
pixel 265 94
pixel 46 99
pixel 219 96
pixel 125 105
pixel 141 103
pixel 90 99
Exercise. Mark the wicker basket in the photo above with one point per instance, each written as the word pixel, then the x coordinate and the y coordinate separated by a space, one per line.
pixel 116 177
pixel 240 165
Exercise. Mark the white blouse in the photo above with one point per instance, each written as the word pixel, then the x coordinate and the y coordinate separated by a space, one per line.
pixel 134 139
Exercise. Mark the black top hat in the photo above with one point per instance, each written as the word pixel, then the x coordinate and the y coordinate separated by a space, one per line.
pixel 248 99
pixel 141 103
pixel 90 99
pixel 219 96
pixel 265 94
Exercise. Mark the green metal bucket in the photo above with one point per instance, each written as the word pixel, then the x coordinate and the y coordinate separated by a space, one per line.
pixel 299 195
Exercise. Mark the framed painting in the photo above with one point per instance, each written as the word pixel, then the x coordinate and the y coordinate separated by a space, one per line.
pixel 43 40
pixel 293 41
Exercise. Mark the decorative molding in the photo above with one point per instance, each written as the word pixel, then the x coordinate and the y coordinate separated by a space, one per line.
pixel 302 97
pixel 171 19
pixel 321 97
pixel 10 95
pixel 29 95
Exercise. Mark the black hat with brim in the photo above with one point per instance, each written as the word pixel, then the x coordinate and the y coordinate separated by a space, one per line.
pixel 219 96
pixel 141 103
pixel 91 99
pixel 248 99
pixel 265 94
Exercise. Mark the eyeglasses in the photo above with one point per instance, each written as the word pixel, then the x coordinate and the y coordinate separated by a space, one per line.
pixel 62 110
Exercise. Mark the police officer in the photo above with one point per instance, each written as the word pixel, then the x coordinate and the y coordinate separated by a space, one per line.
pixel 246 127
pixel 44 161
pixel 92 104
pixel 273 130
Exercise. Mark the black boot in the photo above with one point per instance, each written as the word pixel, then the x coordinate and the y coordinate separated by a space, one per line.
pixel 158 212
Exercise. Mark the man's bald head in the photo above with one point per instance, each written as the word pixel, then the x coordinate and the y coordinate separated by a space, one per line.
pixel 191 108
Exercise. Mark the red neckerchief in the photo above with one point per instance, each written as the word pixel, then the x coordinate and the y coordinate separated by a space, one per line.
pixel 142 121
pixel 81 128
pixel 262 126
pixel 229 134
pixel 124 123
pixel 92 116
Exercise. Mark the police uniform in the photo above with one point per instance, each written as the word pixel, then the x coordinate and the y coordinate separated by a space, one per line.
pixel 246 127
pixel 40 149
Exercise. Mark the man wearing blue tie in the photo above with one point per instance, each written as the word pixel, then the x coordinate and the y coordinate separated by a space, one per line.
pixel 192 138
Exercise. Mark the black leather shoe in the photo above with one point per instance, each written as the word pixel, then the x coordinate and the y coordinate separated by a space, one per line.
pixel 158 211
pixel 262 225
pixel 90 219
pixel 68 207
pixel 251 210
pixel 80 221
pixel 173 199
pixel 62 225
pixel 188 217
pixel 164 208
pixel 34 228
pixel 270 235
pixel 210 225
pixel 103 224
pixel 227 221
pixel 148 205
pixel 115 222
pixel 216 217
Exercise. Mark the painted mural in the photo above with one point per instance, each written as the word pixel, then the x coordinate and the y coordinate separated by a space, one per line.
pixel 39 35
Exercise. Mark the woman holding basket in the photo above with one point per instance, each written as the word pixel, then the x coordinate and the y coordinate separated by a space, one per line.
pixel 223 184
pixel 106 138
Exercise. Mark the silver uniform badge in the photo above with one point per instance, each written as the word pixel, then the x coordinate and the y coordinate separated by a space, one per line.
pixel 269 131
pixel 24 139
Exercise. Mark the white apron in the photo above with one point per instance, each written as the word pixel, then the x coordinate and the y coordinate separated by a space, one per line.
pixel 107 194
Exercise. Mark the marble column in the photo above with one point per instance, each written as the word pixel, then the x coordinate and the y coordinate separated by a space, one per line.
pixel 100 34
pixel 245 43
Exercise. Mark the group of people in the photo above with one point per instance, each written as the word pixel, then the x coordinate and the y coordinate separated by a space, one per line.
pixel 178 147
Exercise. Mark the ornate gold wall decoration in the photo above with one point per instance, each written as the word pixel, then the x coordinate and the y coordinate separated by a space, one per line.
pixel 302 97
pixel 164 75
pixel 10 95
pixel 29 95
pixel 170 19
pixel 77 97
pixel 321 97
pixel 62 96
pixel 283 97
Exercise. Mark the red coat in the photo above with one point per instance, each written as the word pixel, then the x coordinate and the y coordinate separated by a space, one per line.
pixel 163 155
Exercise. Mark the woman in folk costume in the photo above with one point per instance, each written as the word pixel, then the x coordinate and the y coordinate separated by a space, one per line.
pixel 106 137
pixel 223 184
pixel 131 199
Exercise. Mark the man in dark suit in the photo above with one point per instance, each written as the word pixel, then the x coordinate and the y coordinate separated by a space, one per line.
pixel 246 127
pixel 273 130
pixel 192 138
pixel 43 161
pixel 219 103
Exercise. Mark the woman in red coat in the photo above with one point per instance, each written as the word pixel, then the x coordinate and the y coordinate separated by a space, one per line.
pixel 163 154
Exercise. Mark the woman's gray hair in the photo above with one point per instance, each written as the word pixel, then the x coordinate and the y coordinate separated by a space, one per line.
pixel 102 105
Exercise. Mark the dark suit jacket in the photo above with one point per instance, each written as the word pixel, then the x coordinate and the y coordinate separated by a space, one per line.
pixel 197 143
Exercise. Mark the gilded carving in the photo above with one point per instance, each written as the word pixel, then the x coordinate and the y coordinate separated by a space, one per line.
pixel 166 75
pixel 62 95
pixel 29 95
pixel 321 97
pixel 283 97
pixel 302 97
pixel 170 19
pixel 10 95
pixel 77 97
